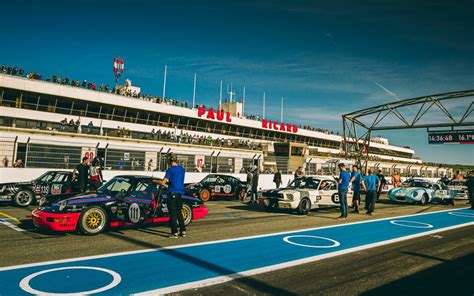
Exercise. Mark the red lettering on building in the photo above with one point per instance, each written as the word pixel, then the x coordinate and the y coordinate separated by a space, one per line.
pixel 201 111
pixel 215 115
pixel 282 127
pixel 275 125
pixel 210 114
pixel 279 126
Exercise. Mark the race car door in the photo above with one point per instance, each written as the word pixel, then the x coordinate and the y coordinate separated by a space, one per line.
pixel 328 192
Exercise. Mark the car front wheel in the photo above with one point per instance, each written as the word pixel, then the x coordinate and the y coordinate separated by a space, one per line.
pixel 93 221
pixel 304 206
pixel 187 213
pixel 205 195
pixel 23 198
pixel 424 199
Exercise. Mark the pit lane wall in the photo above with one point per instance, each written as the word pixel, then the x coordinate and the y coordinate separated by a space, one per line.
pixel 27 174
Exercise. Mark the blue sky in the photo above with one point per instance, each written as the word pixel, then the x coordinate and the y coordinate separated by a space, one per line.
pixel 325 57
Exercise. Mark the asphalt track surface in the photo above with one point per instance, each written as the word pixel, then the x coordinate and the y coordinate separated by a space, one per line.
pixel 382 269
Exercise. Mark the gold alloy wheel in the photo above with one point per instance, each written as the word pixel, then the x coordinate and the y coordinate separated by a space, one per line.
pixel 93 220
pixel 187 215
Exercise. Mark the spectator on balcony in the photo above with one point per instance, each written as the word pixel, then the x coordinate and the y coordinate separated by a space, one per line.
pixel 18 163
pixel 63 123
pixel 93 86
pixel 150 165
pixel 5 161
pixel 15 70
pixel 71 123
pixel 121 164
pixel 4 68
pixel 9 69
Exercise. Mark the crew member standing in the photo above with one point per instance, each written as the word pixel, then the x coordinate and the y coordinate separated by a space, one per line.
pixel 83 170
pixel 470 188
pixel 95 172
pixel 249 184
pixel 396 180
pixel 356 179
pixel 255 176
pixel 371 184
pixel 277 179
pixel 174 177
pixel 382 184
pixel 344 180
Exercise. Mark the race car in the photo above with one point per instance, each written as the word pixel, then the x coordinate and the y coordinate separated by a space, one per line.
pixel 302 195
pixel 214 185
pixel 422 192
pixel 459 188
pixel 23 194
pixel 123 201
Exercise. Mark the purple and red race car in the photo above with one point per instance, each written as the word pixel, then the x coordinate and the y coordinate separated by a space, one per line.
pixel 123 201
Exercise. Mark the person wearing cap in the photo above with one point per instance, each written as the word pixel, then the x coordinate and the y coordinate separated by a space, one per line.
pixel 174 178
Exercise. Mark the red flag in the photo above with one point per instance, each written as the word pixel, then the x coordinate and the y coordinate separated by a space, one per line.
pixel 122 66
pixel 115 65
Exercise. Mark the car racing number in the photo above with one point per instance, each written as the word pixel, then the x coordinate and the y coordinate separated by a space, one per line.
pixel 134 213
pixel 223 188
pixel 335 198
pixel 44 190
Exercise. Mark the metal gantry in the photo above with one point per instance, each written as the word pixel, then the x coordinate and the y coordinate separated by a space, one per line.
pixel 359 125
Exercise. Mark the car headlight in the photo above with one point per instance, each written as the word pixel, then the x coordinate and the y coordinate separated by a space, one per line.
pixel 62 205
pixel 415 194
pixel 289 197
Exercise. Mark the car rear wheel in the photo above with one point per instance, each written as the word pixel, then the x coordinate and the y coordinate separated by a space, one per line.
pixel 187 213
pixel 304 206
pixel 424 199
pixel 23 198
pixel 93 221
pixel 204 195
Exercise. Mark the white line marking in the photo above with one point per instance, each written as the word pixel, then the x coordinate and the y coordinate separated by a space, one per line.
pixel 25 283
pixel 335 243
pixel 226 278
pixel 414 224
pixel 8 224
pixel 470 215
pixel 205 243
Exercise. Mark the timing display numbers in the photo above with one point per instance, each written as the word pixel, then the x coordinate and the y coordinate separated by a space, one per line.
pixel 460 137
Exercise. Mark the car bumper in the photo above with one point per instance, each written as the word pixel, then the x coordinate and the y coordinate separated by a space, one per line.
pixel 55 222
pixel 403 199
pixel 5 197
pixel 282 204
pixel 200 212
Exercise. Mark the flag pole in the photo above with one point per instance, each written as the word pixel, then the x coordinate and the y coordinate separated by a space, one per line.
pixel 243 102
pixel 194 91
pixel 164 82
pixel 263 105
pixel 220 97
pixel 281 112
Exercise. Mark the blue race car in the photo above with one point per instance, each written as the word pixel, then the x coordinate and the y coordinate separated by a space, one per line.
pixel 422 192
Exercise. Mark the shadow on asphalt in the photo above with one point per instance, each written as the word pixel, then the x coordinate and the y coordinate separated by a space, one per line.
pixel 452 277
pixel 218 270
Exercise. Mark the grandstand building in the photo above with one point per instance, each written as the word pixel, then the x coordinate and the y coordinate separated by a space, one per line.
pixel 53 125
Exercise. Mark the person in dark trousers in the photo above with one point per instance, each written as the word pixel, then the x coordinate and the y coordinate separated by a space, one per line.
pixel 344 180
pixel 83 170
pixel 371 184
pixel 277 179
pixel 382 184
pixel 356 180
pixel 174 178
pixel 255 176
pixel 470 188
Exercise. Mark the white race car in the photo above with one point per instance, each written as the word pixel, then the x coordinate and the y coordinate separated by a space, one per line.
pixel 302 195
pixel 459 188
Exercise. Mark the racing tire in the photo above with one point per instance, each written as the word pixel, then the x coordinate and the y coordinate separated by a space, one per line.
pixel 205 195
pixel 424 199
pixel 93 221
pixel 23 198
pixel 304 207
pixel 187 213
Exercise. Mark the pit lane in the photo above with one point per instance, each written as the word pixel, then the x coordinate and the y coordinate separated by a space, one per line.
pixel 226 220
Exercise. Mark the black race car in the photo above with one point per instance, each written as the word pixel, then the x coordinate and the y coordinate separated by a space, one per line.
pixel 124 200
pixel 215 185
pixel 51 183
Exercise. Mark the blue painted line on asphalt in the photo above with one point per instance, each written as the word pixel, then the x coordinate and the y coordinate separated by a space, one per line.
pixel 171 269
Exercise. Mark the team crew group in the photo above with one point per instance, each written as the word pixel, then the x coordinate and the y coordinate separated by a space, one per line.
pixel 370 183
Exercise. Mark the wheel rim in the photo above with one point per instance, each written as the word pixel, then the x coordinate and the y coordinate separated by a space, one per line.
pixel 305 205
pixel 185 211
pixel 205 195
pixel 93 221
pixel 23 198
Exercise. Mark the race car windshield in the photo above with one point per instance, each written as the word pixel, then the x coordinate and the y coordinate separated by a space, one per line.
pixel 305 183
pixel 115 186
pixel 46 177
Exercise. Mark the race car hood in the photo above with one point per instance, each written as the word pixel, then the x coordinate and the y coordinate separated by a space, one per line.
pixel 17 183
pixel 276 192
pixel 404 190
